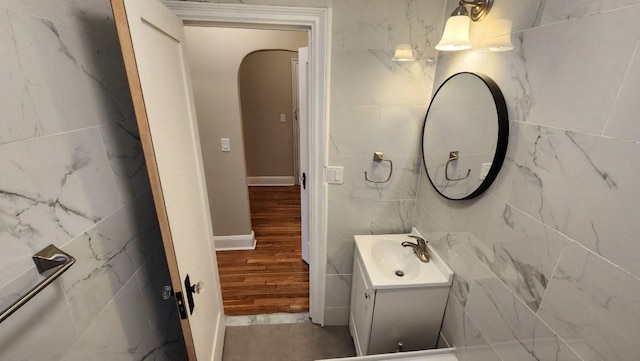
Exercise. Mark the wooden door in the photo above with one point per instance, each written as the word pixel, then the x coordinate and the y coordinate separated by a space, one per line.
pixel 152 42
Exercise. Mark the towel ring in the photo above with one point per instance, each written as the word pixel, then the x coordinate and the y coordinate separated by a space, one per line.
pixel 453 155
pixel 379 157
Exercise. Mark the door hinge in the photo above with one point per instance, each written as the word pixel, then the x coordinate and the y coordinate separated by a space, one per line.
pixel 181 308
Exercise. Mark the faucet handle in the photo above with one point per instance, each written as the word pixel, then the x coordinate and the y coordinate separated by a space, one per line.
pixel 421 242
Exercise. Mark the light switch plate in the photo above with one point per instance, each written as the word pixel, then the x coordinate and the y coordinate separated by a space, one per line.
pixel 335 175
pixel 283 118
pixel 484 170
pixel 225 144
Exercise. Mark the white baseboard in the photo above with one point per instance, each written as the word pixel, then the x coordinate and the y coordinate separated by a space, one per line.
pixel 271 181
pixel 235 243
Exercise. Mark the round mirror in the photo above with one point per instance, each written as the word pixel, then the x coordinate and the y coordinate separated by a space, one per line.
pixel 464 137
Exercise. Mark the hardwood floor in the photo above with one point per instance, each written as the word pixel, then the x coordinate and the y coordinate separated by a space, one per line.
pixel 272 278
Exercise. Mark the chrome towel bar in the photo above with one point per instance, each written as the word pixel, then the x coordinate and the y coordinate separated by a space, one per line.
pixel 47 259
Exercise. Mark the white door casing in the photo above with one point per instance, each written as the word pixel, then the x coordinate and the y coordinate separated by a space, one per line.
pixel 296 120
pixel 317 22
pixel 152 38
pixel 303 168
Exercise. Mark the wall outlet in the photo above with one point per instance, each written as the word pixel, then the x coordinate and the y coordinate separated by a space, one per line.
pixel 335 175
pixel 283 118
pixel 225 144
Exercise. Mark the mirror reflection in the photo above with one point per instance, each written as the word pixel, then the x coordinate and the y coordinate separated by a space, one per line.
pixel 465 135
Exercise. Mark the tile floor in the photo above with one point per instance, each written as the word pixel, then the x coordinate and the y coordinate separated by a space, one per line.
pixel 286 342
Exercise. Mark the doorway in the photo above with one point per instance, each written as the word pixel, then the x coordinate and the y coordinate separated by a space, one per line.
pixel 316 22
pixel 272 278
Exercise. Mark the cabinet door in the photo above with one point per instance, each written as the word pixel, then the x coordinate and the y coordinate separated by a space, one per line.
pixel 362 300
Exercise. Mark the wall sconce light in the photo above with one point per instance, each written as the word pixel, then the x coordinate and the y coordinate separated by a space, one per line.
pixel 456 31
pixel 403 52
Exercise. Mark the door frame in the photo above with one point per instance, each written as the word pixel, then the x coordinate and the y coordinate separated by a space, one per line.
pixel 295 120
pixel 316 21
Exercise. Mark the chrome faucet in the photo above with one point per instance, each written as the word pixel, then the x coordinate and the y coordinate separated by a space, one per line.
pixel 419 248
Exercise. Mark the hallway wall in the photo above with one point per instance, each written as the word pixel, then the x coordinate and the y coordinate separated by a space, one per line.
pixel 214 56
pixel 546 260
pixel 266 91
pixel 73 174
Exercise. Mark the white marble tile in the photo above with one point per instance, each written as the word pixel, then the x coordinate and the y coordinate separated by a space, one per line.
pixel 24 336
pixel 15 261
pixel 549 173
pixel 336 316
pixel 580 96
pixel 622 122
pixel 340 256
pixel 461 333
pixel 394 130
pixel 107 257
pixel 509 325
pixel 459 216
pixel 562 10
pixel 402 185
pixel 19 120
pixel 594 305
pixel 418 23
pixel 12 290
pixel 426 222
pixel 126 159
pixel 338 290
pixel 458 257
pixel 524 253
pixel 64 78
pixel 46 9
pixel 438 206
pixel 370 77
pixel 347 218
pixel 54 188
pixel 91 15
pixel 125 324
pixel 166 334
pixel 361 24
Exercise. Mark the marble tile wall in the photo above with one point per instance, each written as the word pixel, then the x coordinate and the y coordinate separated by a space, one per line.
pixel 376 105
pixel 546 260
pixel 73 174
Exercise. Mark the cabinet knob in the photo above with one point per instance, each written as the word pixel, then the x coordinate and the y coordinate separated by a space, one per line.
pixel 366 295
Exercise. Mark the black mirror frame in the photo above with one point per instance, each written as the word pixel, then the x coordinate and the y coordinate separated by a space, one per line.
pixel 502 141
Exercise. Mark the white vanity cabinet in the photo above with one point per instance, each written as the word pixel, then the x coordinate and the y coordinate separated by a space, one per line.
pixel 383 315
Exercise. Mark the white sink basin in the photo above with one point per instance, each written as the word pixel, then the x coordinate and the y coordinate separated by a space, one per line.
pixel 390 265
pixel 393 259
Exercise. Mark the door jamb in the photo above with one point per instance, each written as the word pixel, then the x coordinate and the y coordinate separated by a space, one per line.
pixel 317 22
pixel 296 120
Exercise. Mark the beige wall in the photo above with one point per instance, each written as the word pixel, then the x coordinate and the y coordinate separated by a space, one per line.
pixel 214 56
pixel 265 93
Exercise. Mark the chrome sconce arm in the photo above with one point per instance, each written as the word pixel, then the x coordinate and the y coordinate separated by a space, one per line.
pixel 479 8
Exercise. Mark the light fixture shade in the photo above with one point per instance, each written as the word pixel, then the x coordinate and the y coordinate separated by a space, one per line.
pixel 403 52
pixel 456 34
pixel 498 36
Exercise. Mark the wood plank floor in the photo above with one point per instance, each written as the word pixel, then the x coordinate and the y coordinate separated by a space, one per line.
pixel 272 278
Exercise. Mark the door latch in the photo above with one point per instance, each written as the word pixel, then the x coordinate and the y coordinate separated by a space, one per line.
pixel 181 309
